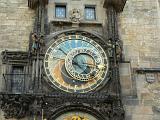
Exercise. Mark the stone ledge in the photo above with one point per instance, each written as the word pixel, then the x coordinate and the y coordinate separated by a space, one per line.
pixel 68 22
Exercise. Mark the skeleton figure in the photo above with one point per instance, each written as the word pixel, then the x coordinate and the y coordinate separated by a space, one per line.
pixel 37 42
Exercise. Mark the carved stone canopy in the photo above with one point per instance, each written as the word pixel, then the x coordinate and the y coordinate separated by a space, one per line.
pixel 117 4
pixel 33 3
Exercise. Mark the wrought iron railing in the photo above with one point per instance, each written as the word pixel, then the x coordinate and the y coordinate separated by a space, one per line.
pixel 16 83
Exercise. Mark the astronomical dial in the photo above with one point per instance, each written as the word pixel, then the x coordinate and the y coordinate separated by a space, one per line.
pixel 76 64
pixel 76 116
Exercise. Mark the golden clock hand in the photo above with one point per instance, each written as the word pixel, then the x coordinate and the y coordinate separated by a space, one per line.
pixel 58 58
pixel 101 66
pixel 87 65
pixel 90 65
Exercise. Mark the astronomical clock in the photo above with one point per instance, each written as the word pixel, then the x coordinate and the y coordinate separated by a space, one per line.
pixel 76 64
pixel 79 67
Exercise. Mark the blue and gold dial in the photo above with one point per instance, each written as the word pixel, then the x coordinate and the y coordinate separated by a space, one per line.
pixel 76 64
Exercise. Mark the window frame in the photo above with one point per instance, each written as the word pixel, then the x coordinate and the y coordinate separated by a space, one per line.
pixel 63 5
pixel 95 12
pixel 15 88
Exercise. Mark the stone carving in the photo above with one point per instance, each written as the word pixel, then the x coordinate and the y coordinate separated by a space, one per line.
pixel 37 42
pixel 150 77
pixel 75 15
pixel 95 102
pixel 18 106
pixel 119 49
pixel 14 106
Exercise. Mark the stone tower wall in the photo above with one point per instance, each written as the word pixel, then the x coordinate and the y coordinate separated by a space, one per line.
pixel 139 28
pixel 16 23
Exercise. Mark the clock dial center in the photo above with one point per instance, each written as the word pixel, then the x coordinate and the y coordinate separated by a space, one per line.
pixel 81 64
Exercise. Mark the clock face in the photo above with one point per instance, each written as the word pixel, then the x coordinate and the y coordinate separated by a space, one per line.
pixel 76 116
pixel 76 64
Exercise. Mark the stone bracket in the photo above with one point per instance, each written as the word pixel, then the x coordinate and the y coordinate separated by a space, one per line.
pixel 34 3
pixel 117 4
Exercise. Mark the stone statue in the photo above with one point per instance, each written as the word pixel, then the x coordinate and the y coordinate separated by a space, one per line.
pixel 37 42
pixel 75 15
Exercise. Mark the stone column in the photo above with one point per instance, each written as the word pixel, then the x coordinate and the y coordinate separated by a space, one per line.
pixel 113 8
pixel 37 43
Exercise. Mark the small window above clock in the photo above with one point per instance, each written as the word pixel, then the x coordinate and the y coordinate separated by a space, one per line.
pixel 60 11
pixel 90 12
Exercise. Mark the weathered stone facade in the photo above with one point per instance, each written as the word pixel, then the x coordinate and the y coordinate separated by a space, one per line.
pixel 16 23
pixel 139 28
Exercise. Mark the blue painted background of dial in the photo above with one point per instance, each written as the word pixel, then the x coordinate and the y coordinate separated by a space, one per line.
pixel 69 45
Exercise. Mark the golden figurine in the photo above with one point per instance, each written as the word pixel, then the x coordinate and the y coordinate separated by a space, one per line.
pixel 75 117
